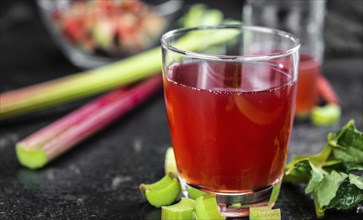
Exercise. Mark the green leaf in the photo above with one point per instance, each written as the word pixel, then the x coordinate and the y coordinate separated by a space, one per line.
pixel 316 177
pixel 348 196
pixel 303 171
pixel 348 144
pixel 353 166
pixel 327 173
pixel 298 171
pixel 356 180
pixel 350 136
pixel 328 187
pixel 349 154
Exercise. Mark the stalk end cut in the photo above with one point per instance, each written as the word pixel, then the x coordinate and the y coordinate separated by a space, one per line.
pixel 32 159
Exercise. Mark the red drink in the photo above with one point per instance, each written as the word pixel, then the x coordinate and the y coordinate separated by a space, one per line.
pixel 229 123
pixel 307 94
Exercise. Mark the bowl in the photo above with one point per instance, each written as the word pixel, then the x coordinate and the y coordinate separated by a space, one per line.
pixel 93 33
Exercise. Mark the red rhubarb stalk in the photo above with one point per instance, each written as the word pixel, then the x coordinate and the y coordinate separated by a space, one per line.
pixel 326 91
pixel 57 138
pixel 53 130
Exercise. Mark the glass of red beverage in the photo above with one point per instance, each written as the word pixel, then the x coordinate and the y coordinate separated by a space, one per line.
pixel 307 92
pixel 304 19
pixel 230 101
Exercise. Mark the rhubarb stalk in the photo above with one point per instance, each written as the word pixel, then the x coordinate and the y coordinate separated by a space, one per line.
pixel 50 132
pixel 57 138
pixel 80 85
pixel 326 91
pixel 104 78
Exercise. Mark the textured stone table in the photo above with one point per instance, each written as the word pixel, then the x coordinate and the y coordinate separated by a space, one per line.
pixel 99 179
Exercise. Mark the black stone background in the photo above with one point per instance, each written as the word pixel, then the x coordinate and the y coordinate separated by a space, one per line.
pixel 99 178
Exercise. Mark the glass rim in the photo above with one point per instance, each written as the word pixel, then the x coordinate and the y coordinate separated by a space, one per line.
pixel 206 56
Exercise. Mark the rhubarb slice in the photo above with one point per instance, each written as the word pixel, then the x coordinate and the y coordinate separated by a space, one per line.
pixel 206 208
pixel 275 194
pixel 179 211
pixel 162 193
pixel 264 213
pixel 194 193
pixel 170 163
pixel 103 33
pixel 326 115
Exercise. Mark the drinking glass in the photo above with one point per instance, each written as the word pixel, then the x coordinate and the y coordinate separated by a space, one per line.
pixel 230 99
pixel 305 19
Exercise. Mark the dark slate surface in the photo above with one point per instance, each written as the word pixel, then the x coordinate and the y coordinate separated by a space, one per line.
pixel 99 179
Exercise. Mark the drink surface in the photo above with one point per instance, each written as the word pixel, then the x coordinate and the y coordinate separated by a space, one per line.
pixel 229 123
pixel 307 94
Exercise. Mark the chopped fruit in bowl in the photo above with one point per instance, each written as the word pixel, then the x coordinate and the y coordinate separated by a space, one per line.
pixel 96 32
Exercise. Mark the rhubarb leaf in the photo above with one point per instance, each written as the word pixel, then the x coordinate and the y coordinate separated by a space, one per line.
pixel 326 174
pixel 348 196
pixel 328 187
pixel 298 171
pixel 348 144
pixel 356 180
pixel 316 177
pixel 304 171
pixel 353 167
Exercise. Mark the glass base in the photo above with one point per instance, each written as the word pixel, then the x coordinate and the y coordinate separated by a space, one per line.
pixel 238 204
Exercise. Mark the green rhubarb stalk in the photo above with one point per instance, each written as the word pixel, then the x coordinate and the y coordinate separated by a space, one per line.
pixel 163 192
pixel 80 85
pixel 194 14
pixel 104 78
